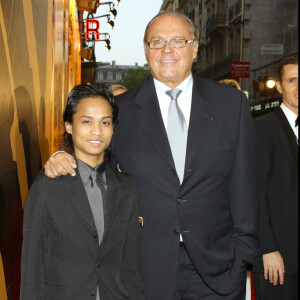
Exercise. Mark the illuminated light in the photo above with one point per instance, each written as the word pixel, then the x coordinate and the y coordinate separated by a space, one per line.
pixel 270 83
pixel 92 27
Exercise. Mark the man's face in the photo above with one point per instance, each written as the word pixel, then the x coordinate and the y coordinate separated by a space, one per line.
pixel 170 65
pixel 91 130
pixel 288 87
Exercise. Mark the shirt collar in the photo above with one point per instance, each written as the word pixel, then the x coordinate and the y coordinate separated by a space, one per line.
pixel 290 115
pixel 184 85
pixel 85 171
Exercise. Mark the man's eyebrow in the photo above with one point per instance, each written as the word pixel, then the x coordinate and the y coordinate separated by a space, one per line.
pixel 172 38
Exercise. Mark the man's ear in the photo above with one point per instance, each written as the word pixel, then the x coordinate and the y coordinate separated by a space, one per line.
pixel 278 87
pixel 68 127
pixel 195 50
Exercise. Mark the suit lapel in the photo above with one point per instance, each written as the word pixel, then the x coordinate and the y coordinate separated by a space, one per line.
pixel 287 133
pixel 112 198
pixel 148 115
pixel 80 200
pixel 201 123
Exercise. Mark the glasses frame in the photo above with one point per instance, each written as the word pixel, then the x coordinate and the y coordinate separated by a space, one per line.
pixel 169 41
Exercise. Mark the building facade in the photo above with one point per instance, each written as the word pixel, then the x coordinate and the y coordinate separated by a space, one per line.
pixel 113 73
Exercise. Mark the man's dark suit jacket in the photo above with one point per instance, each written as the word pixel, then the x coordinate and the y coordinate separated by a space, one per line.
pixel 216 206
pixel 61 256
pixel 278 173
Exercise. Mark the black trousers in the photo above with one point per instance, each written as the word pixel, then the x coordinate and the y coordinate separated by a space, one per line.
pixel 264 290
pixel 190 286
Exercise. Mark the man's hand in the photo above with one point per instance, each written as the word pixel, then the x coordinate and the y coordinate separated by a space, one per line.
pixel 273 267
pixel 60 164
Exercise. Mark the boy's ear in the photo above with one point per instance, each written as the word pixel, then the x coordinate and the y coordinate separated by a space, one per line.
pixel 68 127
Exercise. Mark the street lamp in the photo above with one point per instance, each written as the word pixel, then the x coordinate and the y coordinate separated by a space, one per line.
pixel 266 85
pixel 111 23
pixel 112 9
pixel 113 12
pixel 270 83
pixel 107 44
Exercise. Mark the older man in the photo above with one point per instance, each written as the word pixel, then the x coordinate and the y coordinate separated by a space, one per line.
pixel 188 143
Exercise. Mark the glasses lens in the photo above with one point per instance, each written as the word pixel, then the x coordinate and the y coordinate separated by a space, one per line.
pixel 177 43
pixel 156 44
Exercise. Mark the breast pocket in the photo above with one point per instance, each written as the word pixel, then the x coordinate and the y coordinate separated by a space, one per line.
pixel 53 291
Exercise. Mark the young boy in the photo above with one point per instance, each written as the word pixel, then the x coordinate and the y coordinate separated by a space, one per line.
pixel 80 234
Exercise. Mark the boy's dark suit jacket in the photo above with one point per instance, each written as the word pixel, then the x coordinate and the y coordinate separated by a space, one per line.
pixel 61 256
pixel 216 206
pixel 278 173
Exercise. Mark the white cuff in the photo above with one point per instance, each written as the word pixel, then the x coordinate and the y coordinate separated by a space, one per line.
pixel 60 151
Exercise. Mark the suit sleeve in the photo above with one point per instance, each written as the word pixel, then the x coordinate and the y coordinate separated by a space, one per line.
pixel 266 158
pixel 131 266
pixel 33 250
pixel 244 187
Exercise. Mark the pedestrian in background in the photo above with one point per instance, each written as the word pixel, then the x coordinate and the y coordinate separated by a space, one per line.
pixel 276 270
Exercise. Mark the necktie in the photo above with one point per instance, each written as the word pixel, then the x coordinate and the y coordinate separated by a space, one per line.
pixel 296 122
pixel 177 132
pixel 96 203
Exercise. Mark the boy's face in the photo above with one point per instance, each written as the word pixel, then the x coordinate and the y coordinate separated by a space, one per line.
pixel 92 129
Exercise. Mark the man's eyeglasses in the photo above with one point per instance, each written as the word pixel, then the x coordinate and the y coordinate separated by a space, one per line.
pixel 175 43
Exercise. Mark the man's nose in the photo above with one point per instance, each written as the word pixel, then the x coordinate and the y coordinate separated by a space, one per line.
pixel 167 47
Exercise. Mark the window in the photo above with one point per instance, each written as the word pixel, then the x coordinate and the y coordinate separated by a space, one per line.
pixel 100 76
pixel 212 12
pixel 109 76
pixel 119 76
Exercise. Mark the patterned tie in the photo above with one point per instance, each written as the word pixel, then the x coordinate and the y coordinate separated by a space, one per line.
pixel 177 132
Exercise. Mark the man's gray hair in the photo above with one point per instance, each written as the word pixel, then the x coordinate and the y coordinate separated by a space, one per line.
pixel 193 28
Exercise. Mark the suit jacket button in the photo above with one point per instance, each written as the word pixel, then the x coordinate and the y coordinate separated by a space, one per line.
pixel 176 232
pixel 95 235
pixel 93 293
pixel 173 172
pixel 179 200
pixel 98 265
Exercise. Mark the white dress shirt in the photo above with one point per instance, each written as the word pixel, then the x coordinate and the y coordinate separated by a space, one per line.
pixel 184 99
pixel 291 116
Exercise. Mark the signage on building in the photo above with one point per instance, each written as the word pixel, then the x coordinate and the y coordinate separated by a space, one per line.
pixel 239 69
pixel 92 30
pixel 271 49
